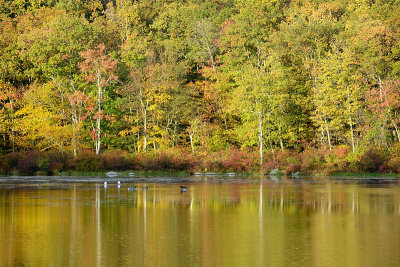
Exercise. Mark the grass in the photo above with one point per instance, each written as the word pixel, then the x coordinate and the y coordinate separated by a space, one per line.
pixel 126 173
pixel 363 175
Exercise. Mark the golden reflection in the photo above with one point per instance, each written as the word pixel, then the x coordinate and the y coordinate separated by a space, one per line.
pixel 229 224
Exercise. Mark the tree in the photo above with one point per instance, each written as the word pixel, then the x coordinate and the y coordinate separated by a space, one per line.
pixel 384 101
pixel 37 122
pixel 9 98
pixel 261 96
pixel 337 95
pixel 52 53
pixel 99 69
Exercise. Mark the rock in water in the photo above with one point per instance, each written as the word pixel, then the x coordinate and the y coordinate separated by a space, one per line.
pixel 112 174
pixel 274 172
pixel 296 174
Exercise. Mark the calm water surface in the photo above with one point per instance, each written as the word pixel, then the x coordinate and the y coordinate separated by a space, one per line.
pixel 257 222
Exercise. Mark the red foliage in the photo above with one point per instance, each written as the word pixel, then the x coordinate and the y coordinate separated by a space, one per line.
pixel 117 160
pixel 384 97
pixel 98 66
pixel 28 164
pixel 292 168
pixel 270 165
pixel 341 151
pixel 372 159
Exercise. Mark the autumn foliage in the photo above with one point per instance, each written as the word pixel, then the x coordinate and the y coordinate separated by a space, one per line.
pixel 230 86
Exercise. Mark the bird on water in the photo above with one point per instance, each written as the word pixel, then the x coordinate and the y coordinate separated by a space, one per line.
pixel 145 188
pixel 119 184
pixel 105 184
pixel 183 188
pixel 132 188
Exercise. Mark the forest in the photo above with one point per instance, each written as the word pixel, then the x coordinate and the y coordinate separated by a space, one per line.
pixel 309 86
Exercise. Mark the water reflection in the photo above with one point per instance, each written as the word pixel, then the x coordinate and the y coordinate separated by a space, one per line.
pixel 245 223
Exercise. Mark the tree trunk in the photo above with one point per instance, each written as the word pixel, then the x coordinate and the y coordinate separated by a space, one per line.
pixel 98 120
pixel 352 134
pixel 191 142
pixel 270 143
pixel 144 131
pixel 144 114
pixel 280 137
pixel 322 136
pixel 12 127
pixel 328 135
pixel 395 128
pixel 383 126
pixel 74 143
pixel 260 136
pixel 98 141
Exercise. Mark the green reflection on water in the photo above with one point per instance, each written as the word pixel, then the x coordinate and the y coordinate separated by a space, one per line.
pixel 230 224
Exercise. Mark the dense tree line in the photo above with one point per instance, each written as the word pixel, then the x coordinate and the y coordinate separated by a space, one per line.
pixel 205 75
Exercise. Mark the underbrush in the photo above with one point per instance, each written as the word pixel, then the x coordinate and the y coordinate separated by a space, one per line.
pixel 309 162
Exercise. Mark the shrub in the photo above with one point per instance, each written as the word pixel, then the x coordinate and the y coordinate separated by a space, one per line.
pixel 269 166
pixel 171 159
pixel 53 162
pixel 287 157
pixel 117 160
pixel 371 159
pixel 86 161
pixel 313 159
pixel 236 161
pixel 341 151
pixel 394 164
pixel 28 164
pixel 292 168
pixel 10 162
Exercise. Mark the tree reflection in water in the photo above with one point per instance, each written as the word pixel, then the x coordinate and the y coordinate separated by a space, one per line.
pixel 238 223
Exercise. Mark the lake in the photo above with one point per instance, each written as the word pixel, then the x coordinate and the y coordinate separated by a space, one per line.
pixel 217 222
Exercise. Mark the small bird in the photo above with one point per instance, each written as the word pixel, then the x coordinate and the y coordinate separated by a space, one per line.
pixel 133 188
pixel 119 184
pixel 183 188
pixel 145 188
pixel 105 184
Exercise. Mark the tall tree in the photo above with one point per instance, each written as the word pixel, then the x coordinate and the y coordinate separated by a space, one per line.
pixel 99 69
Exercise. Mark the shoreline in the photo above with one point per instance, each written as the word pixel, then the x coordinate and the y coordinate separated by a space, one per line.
pixel 156 177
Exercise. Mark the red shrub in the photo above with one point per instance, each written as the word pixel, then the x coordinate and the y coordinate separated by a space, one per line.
pixel 117 160
pixel 86 161
pixel 10 161
pixel 292 168
pixel 341 151
pixel 371 159
pixel 28 164
pixel 313 159
pixel 394 164
pixel 270 165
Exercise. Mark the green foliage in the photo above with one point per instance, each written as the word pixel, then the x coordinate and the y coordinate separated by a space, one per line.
pixel 310 85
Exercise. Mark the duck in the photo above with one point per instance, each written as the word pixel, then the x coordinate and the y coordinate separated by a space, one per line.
pixel 119 184
pixel 183 188
pixel 145 188
pixel 132 188
pixel 105 184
